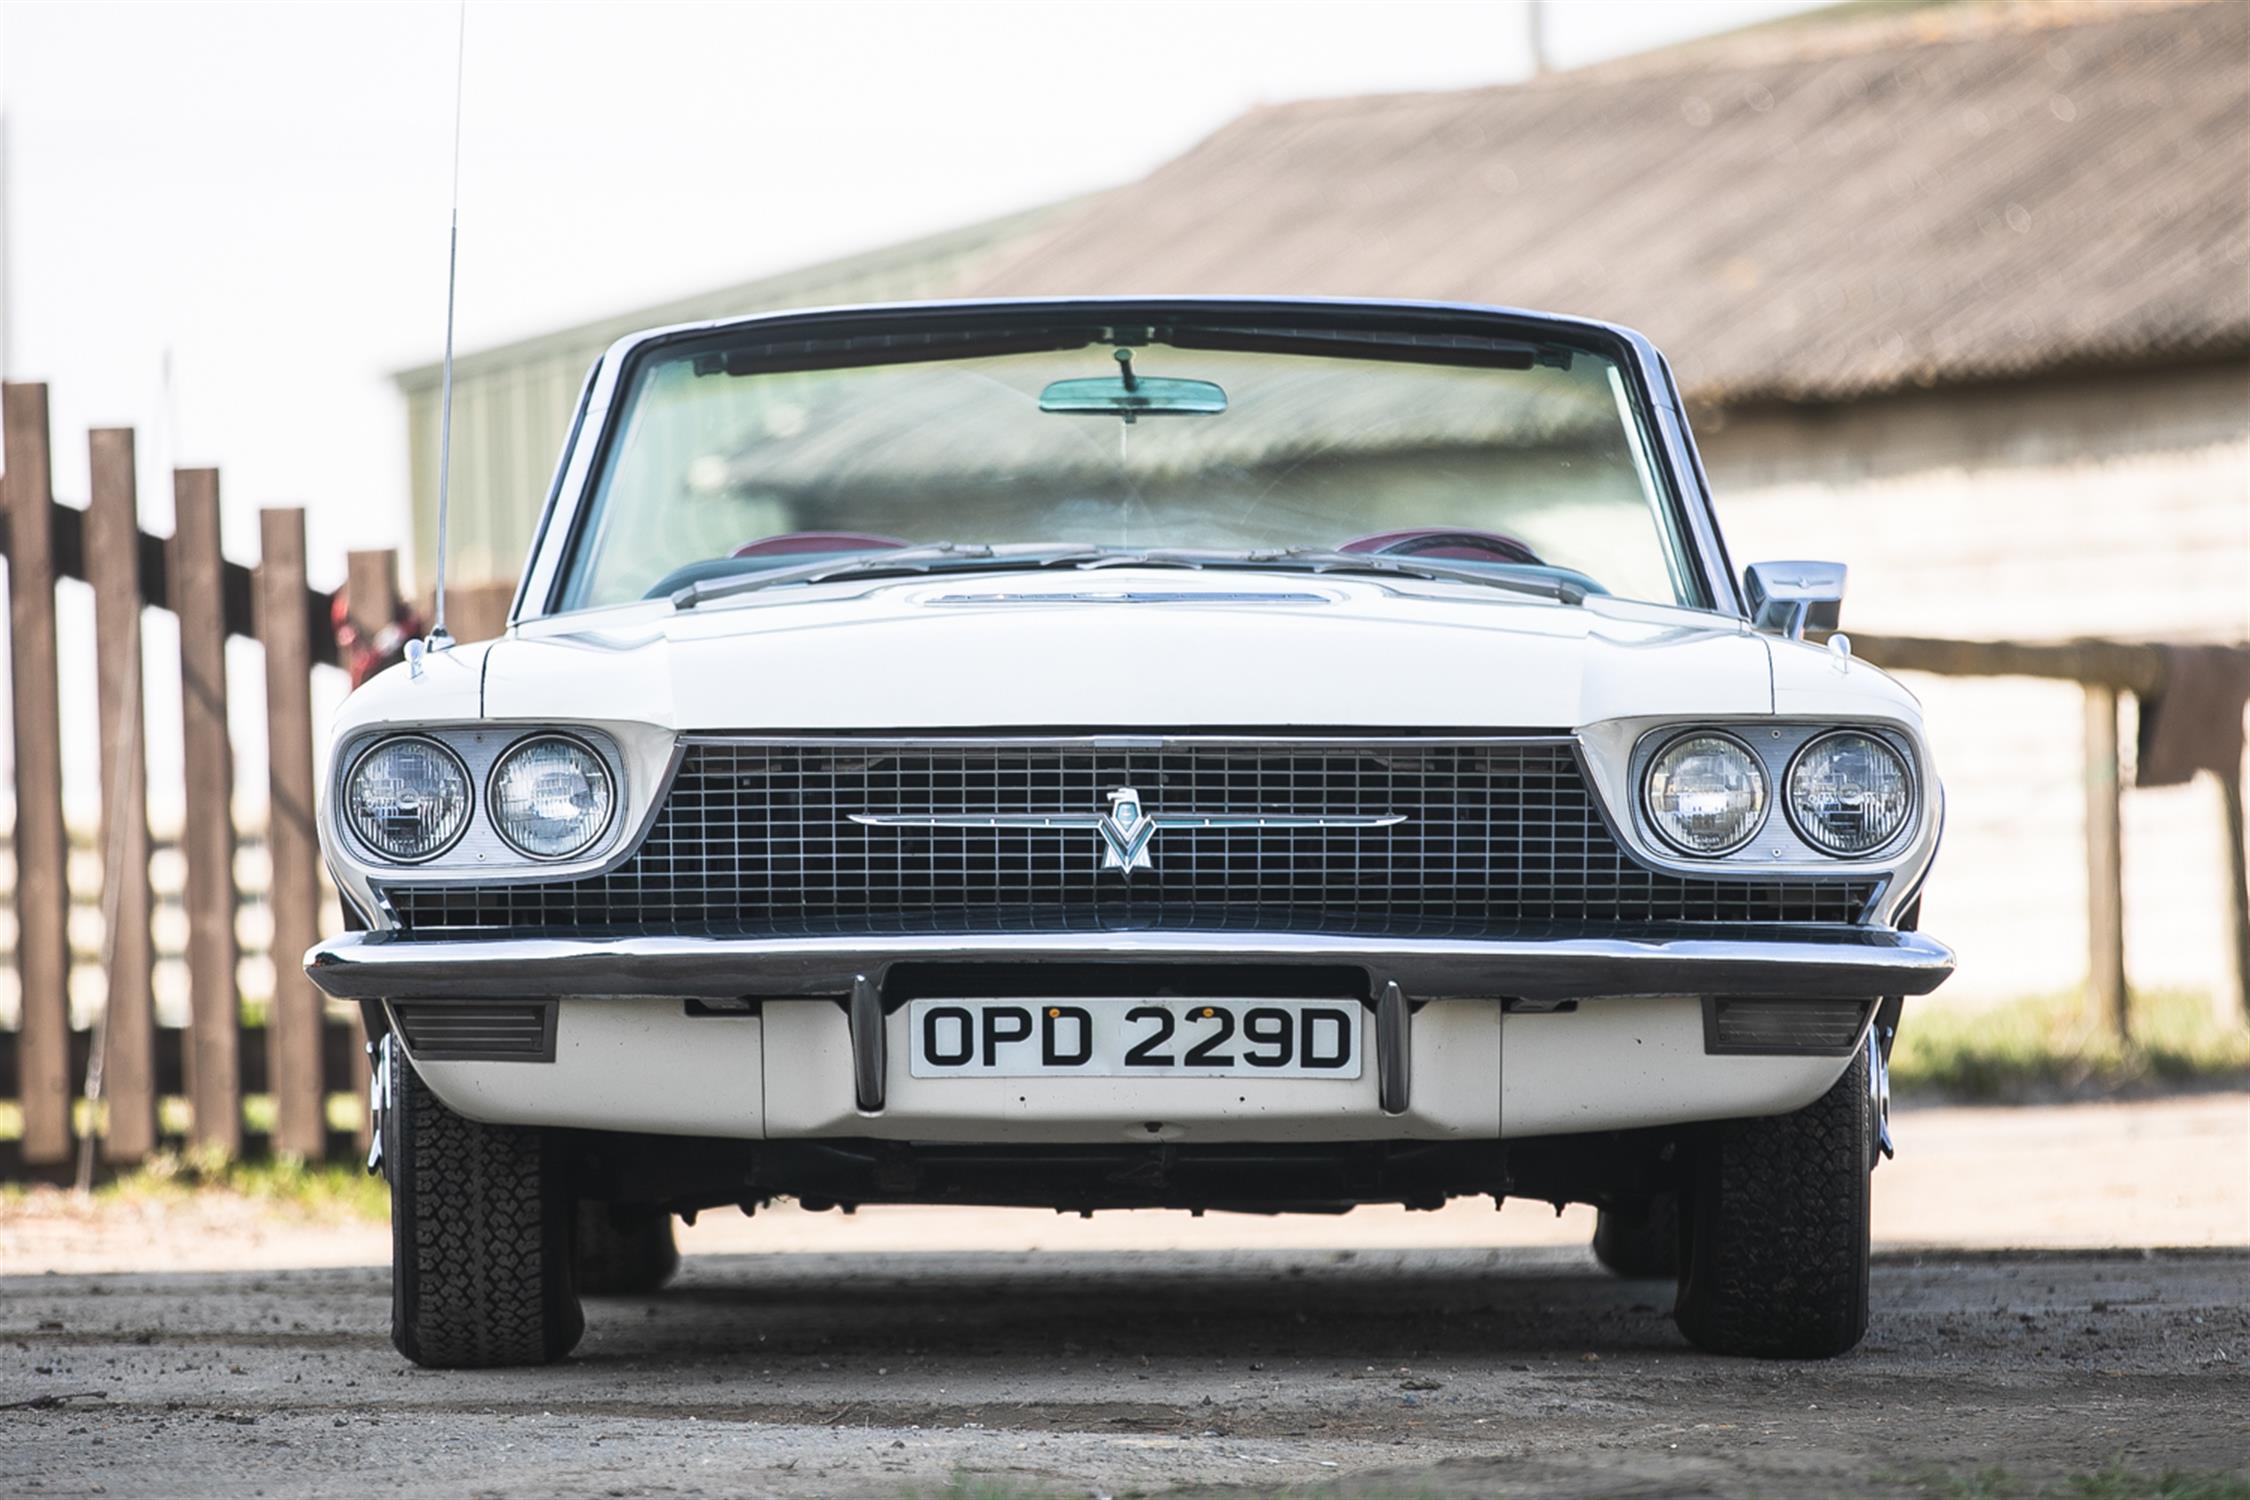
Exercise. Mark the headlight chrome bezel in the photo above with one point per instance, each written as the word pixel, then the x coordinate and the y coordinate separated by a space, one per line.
pixel 371 850
pixel 602 765
pixel 1779 846
pixel 1801 826
pixel 1762 775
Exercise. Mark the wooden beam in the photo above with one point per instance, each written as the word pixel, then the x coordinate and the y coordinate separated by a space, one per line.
pixel 2105 866
pixel 156 580
pixel 371 590
pixel 42 874
pixel 2238 892
pixel 207 839
pixel 2120 665
pixel 113 557
pixel 479 611
pixel 338 1040
pixel 371 599
pixel 292 849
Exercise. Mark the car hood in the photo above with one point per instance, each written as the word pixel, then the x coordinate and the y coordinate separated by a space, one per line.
pixel 1128 649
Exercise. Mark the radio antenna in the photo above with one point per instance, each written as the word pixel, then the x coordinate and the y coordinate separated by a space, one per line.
pixel 440 638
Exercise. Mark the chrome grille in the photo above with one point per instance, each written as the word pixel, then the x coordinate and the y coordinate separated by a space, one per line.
pixel 759 837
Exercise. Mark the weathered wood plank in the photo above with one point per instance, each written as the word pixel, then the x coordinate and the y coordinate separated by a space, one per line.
pixel 42 885
pixel 338 1040
pixel 371 598
pixel 478 611
pixel 207 839
pixel 2105 868
pixel 2238 890
pixel 2120 665
pixel 156 586
pixel 371 589
pixel 293 1027
pixel 113 556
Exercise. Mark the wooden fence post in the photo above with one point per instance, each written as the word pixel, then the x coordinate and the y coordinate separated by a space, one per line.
pixel 42 885
pixel 2238 891
pixel 293 1024
pixel 2105 872
pixel 480 610
pixel 371 600
pixel 113 569
pixel 198 572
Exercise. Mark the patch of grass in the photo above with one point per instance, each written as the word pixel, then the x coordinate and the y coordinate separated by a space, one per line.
pixel 329 1191
pixel 2053 1046
pixel 2114 1481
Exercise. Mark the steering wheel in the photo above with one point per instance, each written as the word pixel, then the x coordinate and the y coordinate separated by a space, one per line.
pixel 1458 546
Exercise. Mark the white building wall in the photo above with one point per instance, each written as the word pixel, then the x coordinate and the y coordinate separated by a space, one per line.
pixel 2118 509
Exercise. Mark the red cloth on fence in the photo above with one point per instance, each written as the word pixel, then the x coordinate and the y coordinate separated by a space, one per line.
pixel 2195 724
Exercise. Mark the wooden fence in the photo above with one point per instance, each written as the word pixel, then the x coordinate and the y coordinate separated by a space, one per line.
pixel 303 1050
pixel 2106 670
pixel 305 1053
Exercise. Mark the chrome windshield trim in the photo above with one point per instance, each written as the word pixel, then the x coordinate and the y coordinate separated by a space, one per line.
pixel 938 739
pixel 1828 962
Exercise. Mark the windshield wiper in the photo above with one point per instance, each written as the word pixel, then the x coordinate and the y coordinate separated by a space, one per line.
pixel 1319 560
pixel 940 557
pixel 957 557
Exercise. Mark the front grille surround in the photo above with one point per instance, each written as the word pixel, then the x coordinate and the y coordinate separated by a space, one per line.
pixel 1502 835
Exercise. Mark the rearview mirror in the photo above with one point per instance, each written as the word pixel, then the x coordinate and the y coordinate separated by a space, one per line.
pixel 1131 395
pixel 1790 598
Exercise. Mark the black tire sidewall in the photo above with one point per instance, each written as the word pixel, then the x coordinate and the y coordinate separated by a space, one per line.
pixel 411 1166
pixel 1776 1228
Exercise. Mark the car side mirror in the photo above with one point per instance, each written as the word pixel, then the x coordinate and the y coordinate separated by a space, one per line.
pixel 1790 598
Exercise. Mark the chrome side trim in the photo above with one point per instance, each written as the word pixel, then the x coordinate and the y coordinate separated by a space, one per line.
pixel 1828 961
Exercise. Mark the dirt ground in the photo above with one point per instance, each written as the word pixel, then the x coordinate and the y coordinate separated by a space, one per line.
pixel 1430 1373
pixel 944 1353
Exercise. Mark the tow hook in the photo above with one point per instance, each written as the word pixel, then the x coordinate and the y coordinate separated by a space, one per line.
pixel 378 1102
pixel 1879 1098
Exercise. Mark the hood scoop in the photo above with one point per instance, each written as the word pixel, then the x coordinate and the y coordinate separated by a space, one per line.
pixel 1136 596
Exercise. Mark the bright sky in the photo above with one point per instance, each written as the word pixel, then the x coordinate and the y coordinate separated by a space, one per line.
pixel 226 222
pixel 256 194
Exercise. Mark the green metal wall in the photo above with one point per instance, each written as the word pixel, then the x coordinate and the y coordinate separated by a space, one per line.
pixel 511 405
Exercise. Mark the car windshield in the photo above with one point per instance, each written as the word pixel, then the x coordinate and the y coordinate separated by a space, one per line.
pixel 731 467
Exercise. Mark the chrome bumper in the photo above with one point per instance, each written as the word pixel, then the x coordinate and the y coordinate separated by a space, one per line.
pixel 1828 962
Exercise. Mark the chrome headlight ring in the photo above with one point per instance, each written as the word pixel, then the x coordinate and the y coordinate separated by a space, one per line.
pixel 550 796
pixel 1881 798
pixel 401 778
pixel 1710 777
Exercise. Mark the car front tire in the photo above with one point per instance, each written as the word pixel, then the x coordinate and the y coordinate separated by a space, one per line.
pixel 624 1249
pixel 480 1235
pixel 1777 1234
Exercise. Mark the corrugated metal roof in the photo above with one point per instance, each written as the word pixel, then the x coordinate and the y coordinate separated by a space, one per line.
pixel 1793 219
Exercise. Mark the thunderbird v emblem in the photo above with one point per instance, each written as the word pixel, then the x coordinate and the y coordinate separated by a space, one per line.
pixel 1128 829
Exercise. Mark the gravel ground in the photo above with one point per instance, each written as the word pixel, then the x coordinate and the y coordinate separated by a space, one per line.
pixel 1327 1372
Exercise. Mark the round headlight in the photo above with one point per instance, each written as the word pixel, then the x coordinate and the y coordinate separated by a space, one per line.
pixel 407 799
pixel 551 797
pixel 1849 793
pixel 1706 793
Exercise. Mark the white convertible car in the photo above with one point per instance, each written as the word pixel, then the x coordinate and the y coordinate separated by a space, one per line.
pixel 1254 755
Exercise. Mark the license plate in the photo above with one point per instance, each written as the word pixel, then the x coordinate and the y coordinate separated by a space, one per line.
pixel 1060 1038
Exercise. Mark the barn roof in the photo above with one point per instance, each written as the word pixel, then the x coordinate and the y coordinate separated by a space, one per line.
pixel 1792 219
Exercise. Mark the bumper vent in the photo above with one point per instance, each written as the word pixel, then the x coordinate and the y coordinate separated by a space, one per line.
pixel 1494 836
pixel 478 1031
pixel 1802 1028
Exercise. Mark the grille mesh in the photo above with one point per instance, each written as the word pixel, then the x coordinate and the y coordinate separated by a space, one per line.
pixel 488 1031
pixel 759 838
